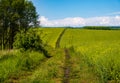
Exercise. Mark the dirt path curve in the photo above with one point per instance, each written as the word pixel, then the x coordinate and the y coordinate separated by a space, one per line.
pixel 59 38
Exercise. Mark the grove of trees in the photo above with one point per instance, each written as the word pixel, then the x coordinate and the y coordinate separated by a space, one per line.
pixel 15 15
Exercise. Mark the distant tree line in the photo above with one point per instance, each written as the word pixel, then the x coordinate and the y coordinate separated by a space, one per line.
pixel 15 15
pixel 101 27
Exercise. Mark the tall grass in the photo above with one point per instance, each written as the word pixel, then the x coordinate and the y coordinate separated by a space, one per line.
pixel 50 71
pixel 12 63
pixel 100 49
pixel 95 58
pixel 104 58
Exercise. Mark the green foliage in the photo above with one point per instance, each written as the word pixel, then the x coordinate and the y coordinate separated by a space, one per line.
pixel 15 15
pixel 28 40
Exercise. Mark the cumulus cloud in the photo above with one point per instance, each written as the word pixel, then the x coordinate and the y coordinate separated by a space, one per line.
pixel 79 21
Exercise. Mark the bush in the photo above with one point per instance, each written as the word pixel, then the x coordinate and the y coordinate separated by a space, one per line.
pixel 29 41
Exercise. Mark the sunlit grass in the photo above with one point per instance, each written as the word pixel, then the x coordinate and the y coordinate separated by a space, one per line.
pixel 50 71
pixel 49 36
pixel 12 63
pixel 100 50
pixel 95 58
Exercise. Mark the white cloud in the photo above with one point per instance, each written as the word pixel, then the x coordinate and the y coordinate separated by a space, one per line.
pixel 79 21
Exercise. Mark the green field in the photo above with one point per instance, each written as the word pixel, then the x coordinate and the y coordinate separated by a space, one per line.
pixel 94 57
pixel 100 48
pixel 49 36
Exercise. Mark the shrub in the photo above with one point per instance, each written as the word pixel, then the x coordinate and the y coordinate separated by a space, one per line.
pixel 29 41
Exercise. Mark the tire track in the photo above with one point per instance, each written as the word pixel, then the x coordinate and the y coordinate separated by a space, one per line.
pixel 59 38
pixel 67 67
pixel 67 64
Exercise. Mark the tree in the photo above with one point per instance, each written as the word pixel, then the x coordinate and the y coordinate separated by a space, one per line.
pixel 15 15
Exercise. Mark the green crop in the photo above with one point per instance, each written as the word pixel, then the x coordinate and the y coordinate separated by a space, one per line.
pixel 100 49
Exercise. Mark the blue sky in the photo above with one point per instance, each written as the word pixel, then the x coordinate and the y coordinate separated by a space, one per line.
pixel 52 10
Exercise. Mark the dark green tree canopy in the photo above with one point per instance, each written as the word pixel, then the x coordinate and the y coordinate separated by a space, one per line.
pixel 15 15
